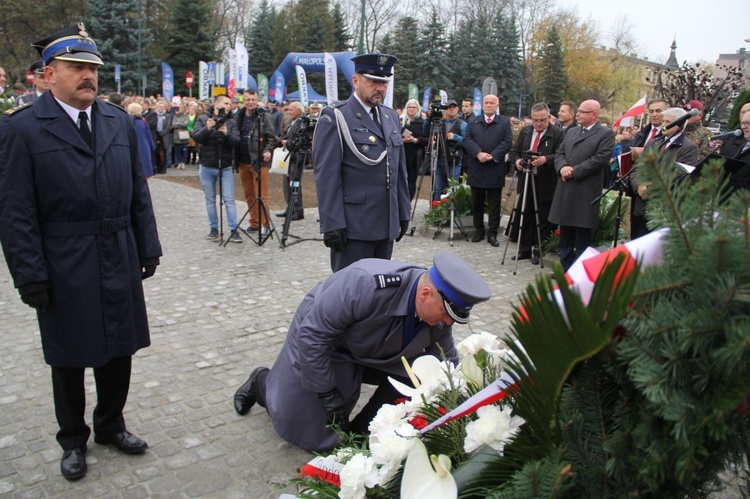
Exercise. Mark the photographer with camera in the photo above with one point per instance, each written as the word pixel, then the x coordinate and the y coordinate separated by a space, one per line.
pixel 534 153
pixel 257 142
pixel 217 136
pixel 453 127
pixel 297 135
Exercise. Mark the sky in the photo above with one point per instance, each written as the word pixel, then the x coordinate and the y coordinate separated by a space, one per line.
pixel 703 30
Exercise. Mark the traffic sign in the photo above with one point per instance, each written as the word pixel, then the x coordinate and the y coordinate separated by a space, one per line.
pixel 189 79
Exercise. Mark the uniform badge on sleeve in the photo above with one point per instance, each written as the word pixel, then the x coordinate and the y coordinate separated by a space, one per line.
pixel 387 280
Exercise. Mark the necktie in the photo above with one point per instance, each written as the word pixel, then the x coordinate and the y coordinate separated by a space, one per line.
pixel 489 121
pixel 583 131
pixel 374 113
pixel 84 127
pixel 536 142
pixel 744 148
pixel 654 131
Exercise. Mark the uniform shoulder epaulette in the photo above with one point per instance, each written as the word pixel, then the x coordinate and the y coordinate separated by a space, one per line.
pixel 14 110
pixel 387 280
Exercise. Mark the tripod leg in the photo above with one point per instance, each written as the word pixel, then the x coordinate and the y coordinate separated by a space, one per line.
pixel 511 222
pixel 511 188
pixel 538 227
pixel 414 205
pixel 525 196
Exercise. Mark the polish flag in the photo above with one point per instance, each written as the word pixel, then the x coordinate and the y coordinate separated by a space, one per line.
pixel 637 109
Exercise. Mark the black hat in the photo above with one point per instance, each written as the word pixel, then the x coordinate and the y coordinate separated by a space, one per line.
pixel 378 67
pixel 71 44
pixel 37 67
pixel 460 286
pixel 451 103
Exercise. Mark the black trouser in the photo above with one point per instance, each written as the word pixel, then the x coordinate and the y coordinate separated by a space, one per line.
pixel 112 385
pixel 355 250
pixel 573 241
pixel 384 394
pixel 494 197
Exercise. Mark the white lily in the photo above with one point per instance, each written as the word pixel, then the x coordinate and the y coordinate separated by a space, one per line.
pixel 495 427
pixel 421 481
pixel 427 374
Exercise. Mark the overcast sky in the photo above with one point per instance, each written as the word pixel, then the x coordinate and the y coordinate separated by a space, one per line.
pixel 703 29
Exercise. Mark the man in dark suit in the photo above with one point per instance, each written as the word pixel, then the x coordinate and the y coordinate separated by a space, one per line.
pixel 672 146
pixel 566 116
pixel 580 163
pixel 545 139
pixel 487 139
pixel 360 169
pixel 79 235
pixel 40 84
pixel 739 148
pixel 290 139
pixel 646 134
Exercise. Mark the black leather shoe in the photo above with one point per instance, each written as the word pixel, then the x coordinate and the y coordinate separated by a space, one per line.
pixel 124 441
pixel 73 464
pixel 479 236
pixel 493 241
pixel 281 214
pixel 524 255
pixel 535 257
pixel 244 397
pixel 297 216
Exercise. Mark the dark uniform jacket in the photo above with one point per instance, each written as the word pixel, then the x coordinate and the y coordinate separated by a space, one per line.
pixel 370 202
pixel 546 175
pixel 56 195
pixel 351 321
pixel 681 150
pixel 495 138
pixel 588 154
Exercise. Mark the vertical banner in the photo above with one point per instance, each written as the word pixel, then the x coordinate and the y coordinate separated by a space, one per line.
pixel 426 99
pixel 413 92
pixel 278 87
pixel 203 80
pixel 263 88
pixel 388 101
pixel 302 83
pixel 117 77
pixel 211 73
pixel 443 97
pixel 167 81
pixel 219 74
pixel 332 83
pixel 241 65
pixel 232 85
pixel 477 102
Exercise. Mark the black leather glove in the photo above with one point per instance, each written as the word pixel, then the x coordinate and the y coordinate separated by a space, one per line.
pixel 335 239
pixel 334 406
pixel 404 228
pixel 148 271
pixel 38 299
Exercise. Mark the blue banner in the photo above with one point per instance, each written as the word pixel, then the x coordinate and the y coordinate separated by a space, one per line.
pixel 117 73
pixel 426 99
pixel 167 81
pixel 279 83
pixel 477 102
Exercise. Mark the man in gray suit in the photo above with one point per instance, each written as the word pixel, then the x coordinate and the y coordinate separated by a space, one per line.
pixel 580 162
pixel 360 169
pixel 354 328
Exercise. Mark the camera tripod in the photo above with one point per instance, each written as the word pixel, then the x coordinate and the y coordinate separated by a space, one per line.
pixel 622 184
pixel 258 203
pixel 521 202
pixel 436 151
pixel 295 175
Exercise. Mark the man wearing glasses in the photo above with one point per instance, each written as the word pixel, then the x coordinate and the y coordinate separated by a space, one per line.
pixel 580 163
pixel 739 148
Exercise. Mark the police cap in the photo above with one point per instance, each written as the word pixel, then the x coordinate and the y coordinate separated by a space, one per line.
pixel 460 286
pixel 378 67
pixel 71 44
pixel 37 67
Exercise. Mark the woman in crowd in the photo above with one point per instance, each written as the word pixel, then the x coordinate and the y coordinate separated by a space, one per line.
pixel 192 113
pixel 146 144
pixel 180 136
pixel 414 142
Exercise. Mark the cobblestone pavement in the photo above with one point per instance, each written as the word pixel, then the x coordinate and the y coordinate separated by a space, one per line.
pixel 215 314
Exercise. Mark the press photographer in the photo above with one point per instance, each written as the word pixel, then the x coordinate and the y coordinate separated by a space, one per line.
pixel 446 119
pixel 257 142
pixel 297 138
pixel 217 136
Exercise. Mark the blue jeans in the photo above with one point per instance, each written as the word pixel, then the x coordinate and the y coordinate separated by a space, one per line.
pixel 209 177
pixel 441 181
pixel 180 153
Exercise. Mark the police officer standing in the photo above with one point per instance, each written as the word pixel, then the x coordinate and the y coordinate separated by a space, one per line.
pixel 336 343
pixel 79 235
pixel 360 169
pixel 40 84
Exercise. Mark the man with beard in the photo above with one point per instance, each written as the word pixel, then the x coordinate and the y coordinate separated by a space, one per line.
pixel 79 235
pixel 359 165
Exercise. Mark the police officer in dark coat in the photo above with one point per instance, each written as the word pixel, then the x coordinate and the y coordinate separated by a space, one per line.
pixel 79 235
pixel 360 169
pixel 40 84
pixel 487 139
pixel 353 329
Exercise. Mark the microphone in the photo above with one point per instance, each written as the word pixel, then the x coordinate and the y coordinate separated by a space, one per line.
pixel 726 135
pixel 682 119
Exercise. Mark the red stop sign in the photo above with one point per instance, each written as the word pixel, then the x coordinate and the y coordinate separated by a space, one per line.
pixel 189 79
pixel 30 77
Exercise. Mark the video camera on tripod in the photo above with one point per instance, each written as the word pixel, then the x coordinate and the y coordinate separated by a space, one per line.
pixel 305 132
pixel 528 157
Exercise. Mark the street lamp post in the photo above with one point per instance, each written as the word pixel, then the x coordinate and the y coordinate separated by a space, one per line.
pixel 361 44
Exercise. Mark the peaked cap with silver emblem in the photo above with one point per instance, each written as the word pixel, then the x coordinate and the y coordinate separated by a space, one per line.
pixel 460 286
pixel 378 67
pixel 71 44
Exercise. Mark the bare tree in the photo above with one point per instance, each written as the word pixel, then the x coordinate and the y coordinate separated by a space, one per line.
pixel 529 14
pixel 622 35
